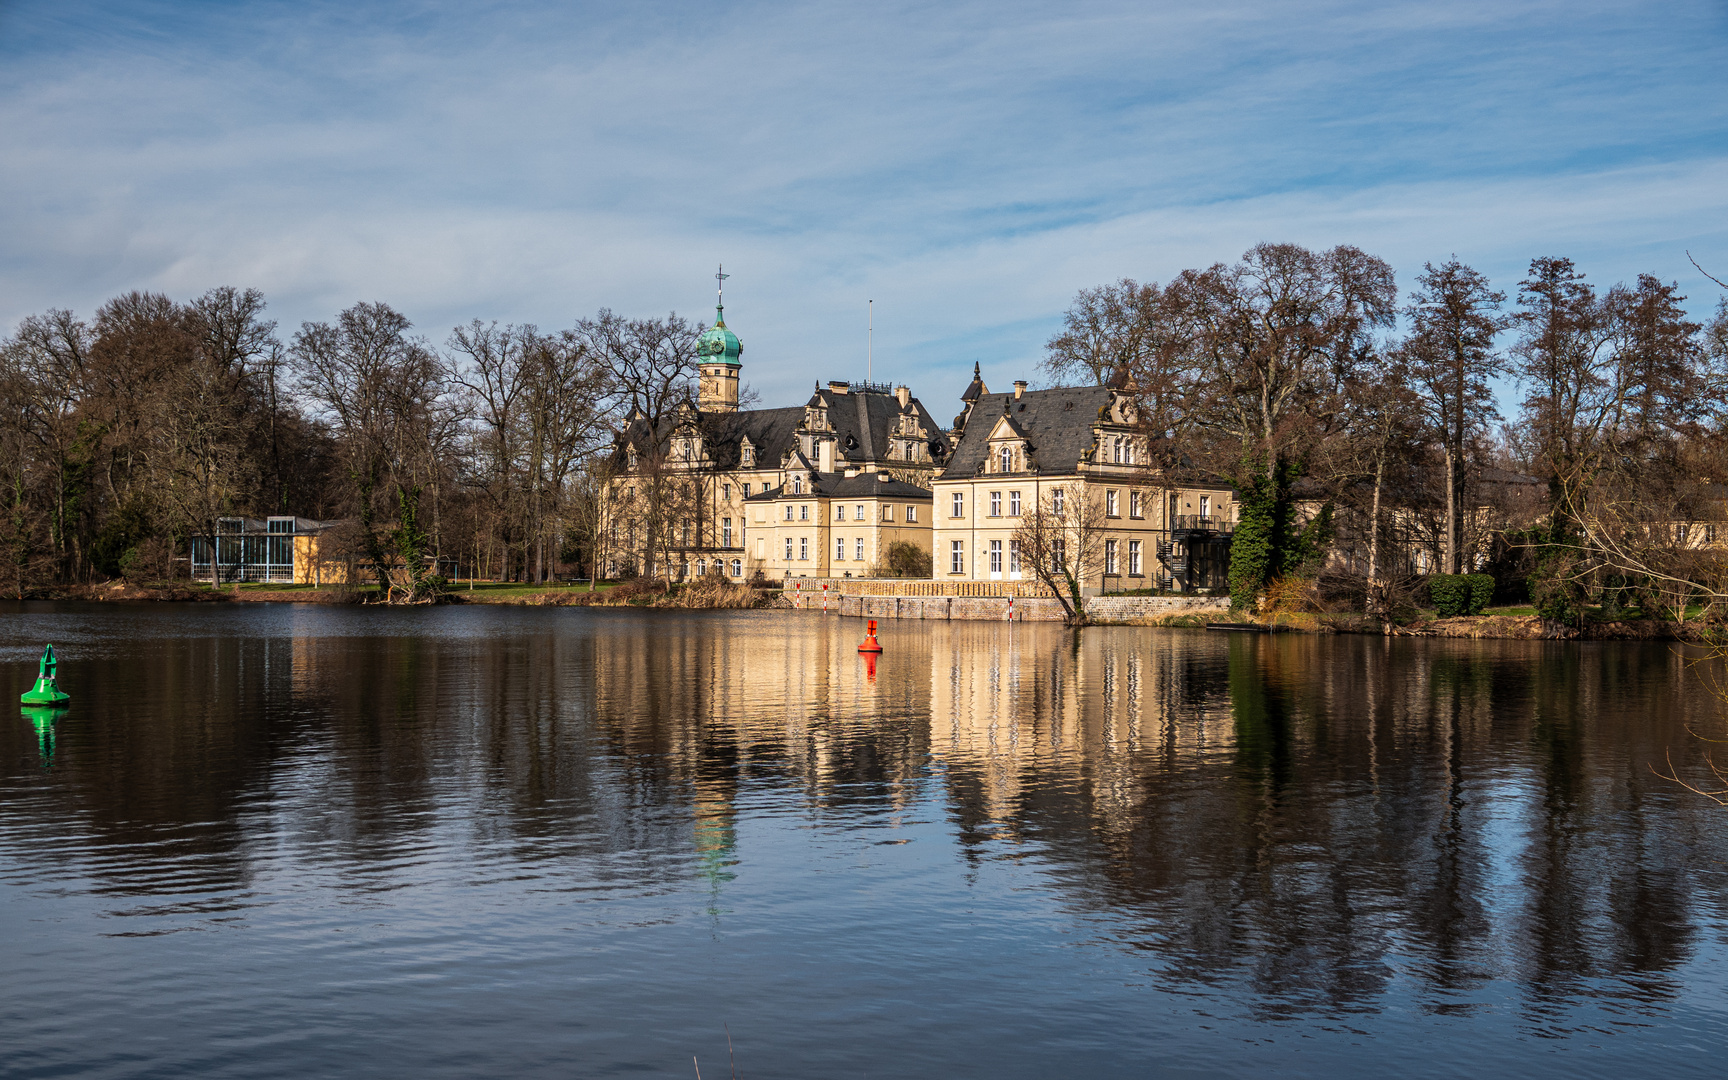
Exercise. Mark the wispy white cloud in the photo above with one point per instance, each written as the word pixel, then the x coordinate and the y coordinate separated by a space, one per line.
pixel 966 166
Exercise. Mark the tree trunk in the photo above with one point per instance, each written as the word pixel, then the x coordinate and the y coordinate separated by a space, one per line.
pixel 1376 591
pixel 1450 566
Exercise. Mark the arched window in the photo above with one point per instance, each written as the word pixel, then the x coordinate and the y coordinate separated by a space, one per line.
pixel 1006 460
pixel 797 485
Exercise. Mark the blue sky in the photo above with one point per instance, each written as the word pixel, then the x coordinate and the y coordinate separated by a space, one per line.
pixel 967 166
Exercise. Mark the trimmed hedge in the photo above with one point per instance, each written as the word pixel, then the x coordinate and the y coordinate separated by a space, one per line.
pixel 1460 594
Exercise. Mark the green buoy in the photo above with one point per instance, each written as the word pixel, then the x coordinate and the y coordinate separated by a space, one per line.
pixel 46 691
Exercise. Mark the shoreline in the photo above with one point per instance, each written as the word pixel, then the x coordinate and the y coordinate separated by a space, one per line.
pixel 1197 614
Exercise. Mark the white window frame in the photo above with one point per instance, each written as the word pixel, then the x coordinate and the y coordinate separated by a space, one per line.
pixel 995 504
pixel 912 514
pixel 956 556
pixel 858 550
pixel 995 556
pixel 1112 503
pixel 788 549
pixel 839 549
pixel 803 549
pixel 957 505
pixel 1133 558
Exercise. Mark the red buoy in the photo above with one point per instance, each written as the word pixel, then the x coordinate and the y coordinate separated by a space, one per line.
pixel 871 645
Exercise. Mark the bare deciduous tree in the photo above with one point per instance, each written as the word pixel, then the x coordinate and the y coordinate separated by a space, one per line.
pixel 1062 544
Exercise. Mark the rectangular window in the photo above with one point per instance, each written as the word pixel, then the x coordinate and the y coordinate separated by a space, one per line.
pixel 788 549
pixel 858 550
pixel 804 512
pixel 726 492
pixel 725 532
pixel 840 548
pixel 1110 557
pixel 959 507
pixel 1205 506
pixel 911 513
pixel 788 511
pixel 839 511
pixel 957 556
pixel 995 504
pixel 1059 553
pixel 1133 558
pixel 1013 556
pixel 888 513
pixel 1058 500
pixel 1111 508
pixel 1135 507
pixel 737 567
pixel 858 512
pixel 803 548
pixel 1013 504
pixel 995 556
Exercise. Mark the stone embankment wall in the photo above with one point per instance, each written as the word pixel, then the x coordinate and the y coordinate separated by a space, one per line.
pixel 982 602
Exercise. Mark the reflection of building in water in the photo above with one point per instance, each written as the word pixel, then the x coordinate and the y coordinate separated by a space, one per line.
pixel 1025 707
pixel 755 699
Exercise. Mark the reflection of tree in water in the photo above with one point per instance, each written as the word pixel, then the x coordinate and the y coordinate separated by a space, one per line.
pixel 1302 817
pixel 1437 809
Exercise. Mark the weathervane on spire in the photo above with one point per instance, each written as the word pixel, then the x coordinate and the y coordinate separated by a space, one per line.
pixel 720 277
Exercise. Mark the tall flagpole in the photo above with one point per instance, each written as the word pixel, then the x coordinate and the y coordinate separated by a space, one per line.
pixel 870 367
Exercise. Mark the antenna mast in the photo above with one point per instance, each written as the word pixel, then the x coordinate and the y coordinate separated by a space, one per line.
pixel 870 363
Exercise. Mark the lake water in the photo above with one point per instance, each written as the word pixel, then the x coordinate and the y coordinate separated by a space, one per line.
pixel 286 841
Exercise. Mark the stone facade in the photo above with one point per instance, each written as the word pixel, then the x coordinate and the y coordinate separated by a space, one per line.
pixel 1014 452
pixel 761 491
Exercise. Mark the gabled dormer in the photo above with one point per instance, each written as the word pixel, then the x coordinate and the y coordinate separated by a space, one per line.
pixel 1009 449
pixel 797 475
pixel 746 453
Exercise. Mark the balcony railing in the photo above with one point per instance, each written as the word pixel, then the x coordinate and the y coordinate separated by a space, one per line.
pixel 1196 523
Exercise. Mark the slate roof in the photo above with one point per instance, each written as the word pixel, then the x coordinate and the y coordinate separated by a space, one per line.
pixel 862 423
pixel 1057 425
pixel 841 486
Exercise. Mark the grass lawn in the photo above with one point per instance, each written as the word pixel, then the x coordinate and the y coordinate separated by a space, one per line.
pixel 479 592
pixel 505 592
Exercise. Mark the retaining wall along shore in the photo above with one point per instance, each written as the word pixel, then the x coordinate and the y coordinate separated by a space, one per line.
pixel 979 601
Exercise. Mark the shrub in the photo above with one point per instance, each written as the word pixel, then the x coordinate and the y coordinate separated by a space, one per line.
pixel 907 560
pixel 1460 594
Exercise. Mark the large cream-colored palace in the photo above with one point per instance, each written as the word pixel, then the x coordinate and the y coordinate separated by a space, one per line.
pixel 826 488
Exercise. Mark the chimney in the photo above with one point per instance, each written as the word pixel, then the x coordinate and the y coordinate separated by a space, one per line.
pixel 837 386
pixel 903 394
pixel 1019 388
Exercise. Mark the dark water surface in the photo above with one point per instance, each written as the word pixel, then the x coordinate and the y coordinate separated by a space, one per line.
pixel 474 842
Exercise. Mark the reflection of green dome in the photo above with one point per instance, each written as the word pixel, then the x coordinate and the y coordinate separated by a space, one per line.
pixel 718 344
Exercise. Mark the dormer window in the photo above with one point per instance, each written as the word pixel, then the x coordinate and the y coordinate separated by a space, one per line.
pixel 797 485
pixel 747 454
pixel 1005 459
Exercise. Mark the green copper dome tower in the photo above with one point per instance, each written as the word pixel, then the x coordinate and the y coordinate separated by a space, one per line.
pixel 717 355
